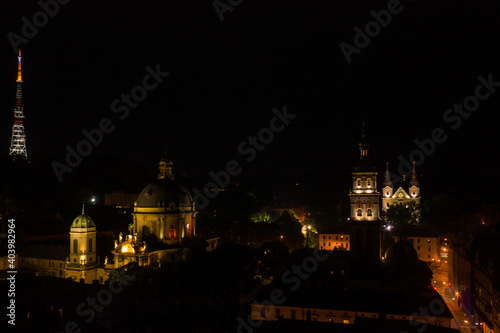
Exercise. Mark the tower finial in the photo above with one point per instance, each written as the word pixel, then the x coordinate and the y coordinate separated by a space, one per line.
pixel 165 167
pixel 414 179
pixel 387 179
pixel 364 145
pixel 83 207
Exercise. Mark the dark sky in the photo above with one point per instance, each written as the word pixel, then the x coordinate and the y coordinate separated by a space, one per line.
pixel 226 77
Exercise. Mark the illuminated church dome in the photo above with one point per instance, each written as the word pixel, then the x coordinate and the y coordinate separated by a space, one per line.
pixel 83 221
pixel 164 192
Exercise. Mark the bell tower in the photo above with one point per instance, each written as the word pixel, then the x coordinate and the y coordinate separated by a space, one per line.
pixel 82 248
pixel 364 197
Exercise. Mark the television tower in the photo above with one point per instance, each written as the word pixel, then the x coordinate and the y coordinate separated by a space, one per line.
pixel 18 142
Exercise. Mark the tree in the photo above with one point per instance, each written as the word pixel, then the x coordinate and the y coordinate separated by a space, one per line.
pixel 402 213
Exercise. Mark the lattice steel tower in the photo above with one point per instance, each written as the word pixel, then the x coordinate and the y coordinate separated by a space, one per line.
pixel 18 142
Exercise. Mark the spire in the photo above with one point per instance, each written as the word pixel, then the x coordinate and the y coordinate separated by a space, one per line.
pixel 165 167
pixel 364 145
pixel 19 76
pixel 387 180
pixel 83 208
pixel 414 179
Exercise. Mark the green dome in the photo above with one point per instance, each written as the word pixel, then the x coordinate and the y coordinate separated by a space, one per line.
pixel 83 221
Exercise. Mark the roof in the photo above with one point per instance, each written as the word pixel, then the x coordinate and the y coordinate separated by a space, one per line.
pixel 337 229
pixel 83 221
pixel 403 303
pixel 162 192
pixel 45 251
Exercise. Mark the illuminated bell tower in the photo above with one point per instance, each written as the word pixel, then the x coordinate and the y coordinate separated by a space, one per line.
pixel 18 142
pixel 364 197
pixel 387 189
pixel 82 247
pixel 414 188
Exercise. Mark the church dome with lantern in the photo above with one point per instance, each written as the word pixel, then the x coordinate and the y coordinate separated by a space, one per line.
pixel 83 221
pixel 164 208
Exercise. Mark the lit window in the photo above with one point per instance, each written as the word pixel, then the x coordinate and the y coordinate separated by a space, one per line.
pixel 369 212
pixel 359 212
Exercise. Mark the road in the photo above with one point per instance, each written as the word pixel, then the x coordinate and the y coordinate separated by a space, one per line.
pixel 440 281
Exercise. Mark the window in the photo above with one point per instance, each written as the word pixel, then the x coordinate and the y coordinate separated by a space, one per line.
pixel 329 244
pixel 346 245
pixel 346 237
pixel 429 249
pixel 90 244
pixel 277 313
pixel 429 255
pixel 428 241
pixel 418 248
pixel 369 182
pixel 60 264
pixel 60 272
pixel 337 237
pixel 324 243
pixel 262 312
pixel 359 183
pixel 75 246
pixel 345 321
pixel 359 212
pixel 369 212
pixel 329 237
pixel 324 236
pixel 292 314
pixel 418 240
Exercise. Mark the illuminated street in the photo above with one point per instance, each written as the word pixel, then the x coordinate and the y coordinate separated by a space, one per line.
pixel 440 281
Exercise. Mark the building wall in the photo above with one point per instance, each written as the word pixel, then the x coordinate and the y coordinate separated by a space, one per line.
pixel 120 199
pixel 334 241
pixel 83 254
pixel 428 248
pixel 43 267
pixel 274 312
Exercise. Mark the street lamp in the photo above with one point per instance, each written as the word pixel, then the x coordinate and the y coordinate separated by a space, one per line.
pixel 307 236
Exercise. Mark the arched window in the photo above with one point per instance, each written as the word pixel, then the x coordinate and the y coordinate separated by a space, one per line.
pixel 369 212
pixel 75 246
pixel 359 212
pixel 90 245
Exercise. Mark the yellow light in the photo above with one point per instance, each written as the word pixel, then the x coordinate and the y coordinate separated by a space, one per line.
pixel 128 249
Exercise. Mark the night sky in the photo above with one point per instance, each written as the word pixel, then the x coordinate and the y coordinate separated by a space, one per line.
pixel 226 77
